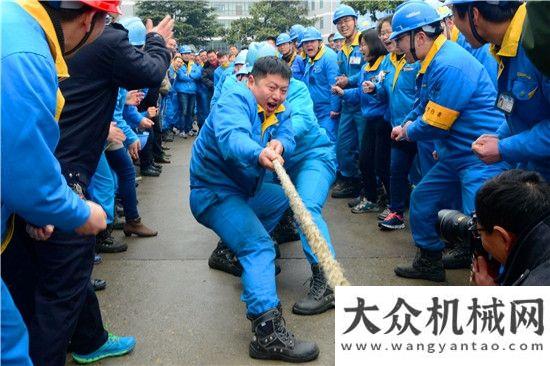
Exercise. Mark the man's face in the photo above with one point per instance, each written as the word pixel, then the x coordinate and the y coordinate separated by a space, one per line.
pixel 212 58
pixel 204 56
pixel 233 50
pixel 186 56
pixel 285 49
pixel 223 60
pixel 403 45
pixel 463 24
pixel 178 63
pixel 385 32
pixel 498 242
pixel 346 26
pixel 338 44
pixel 172 44
pixel 270 92
pixel 331 43
pixel 311 48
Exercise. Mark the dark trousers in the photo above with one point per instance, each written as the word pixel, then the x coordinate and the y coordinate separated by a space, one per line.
pixel 402 158
pixel 146 152
pixel 187 105
pixel 157 138
pixel 121 163
pixel 50 284
pixel 374 158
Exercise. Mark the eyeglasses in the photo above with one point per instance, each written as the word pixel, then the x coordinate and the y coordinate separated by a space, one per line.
pixel 475 228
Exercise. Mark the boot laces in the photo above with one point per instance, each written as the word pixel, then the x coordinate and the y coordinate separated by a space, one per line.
pixel 282 332
pixel 317 285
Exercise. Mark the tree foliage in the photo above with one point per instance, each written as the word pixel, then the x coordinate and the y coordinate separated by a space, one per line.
pixel 195 21
pixel 370 7
pixel 268 18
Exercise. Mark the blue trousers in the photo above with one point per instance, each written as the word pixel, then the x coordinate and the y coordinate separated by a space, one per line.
pixel 350 128
pixel 403 154
pixel 102 188
pixel 244 223
pixel 15 339
pixel 121 163
pixel 187 106
pixel 169 111
pixel 439 189
pixel 330 125
pixel 313 179
pixel 203 106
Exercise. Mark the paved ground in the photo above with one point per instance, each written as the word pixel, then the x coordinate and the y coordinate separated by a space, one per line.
pixel 182 313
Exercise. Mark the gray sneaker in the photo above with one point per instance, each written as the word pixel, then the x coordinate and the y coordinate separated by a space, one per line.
pixel 382 216
pixel 365 206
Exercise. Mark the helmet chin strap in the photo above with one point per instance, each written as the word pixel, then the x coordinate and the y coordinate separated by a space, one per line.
pixel 473 27
pixel 83 40
pixel 413 50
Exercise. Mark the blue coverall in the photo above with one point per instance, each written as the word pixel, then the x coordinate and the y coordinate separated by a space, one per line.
pixel 352 125
pixel 320 74
pixel 186 87
pixel 298 66
pixel 525 135
pixel 456 104
pixel 228 194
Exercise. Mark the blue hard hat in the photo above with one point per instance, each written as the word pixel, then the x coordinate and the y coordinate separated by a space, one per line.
pixel 136 30
pixel 343 11
pixel 441 8
pixel 412 15
pixel 311 34
pixel 257 50
pixel 244 70
pixel 185 49
pixel 295 31
pixel 338 36
pixel 241 57
pixel 282 39
pixel 491 2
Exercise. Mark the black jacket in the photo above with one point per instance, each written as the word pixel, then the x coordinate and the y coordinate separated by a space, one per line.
pixel 529 262
pixel 97 71
pixel 207 77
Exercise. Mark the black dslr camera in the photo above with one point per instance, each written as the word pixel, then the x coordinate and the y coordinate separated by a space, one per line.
pixel 455 228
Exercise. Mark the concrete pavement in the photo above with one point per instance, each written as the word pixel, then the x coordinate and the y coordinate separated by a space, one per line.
pixel 182 313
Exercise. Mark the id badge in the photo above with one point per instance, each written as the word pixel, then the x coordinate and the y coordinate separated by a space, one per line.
pixel 505 102
pixel 354 60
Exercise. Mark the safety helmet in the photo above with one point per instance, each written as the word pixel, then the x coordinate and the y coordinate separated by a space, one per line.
pixel 412 15
pixel 244 70
pixel 343 11
pixel 185 49
pixel 491 2
pixel 257 50
pixel 295 31
pixel 441 8
pixel 338 37
pixel 241 57
pixel 136 30
pixel 282 39
pixel 108 6
pixel 311 34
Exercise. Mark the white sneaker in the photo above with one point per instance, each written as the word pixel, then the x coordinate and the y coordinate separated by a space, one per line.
pixel 192 133
pixel 175 131
pixel 182 135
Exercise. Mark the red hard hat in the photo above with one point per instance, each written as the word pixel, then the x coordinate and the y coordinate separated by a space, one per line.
pixel 109 6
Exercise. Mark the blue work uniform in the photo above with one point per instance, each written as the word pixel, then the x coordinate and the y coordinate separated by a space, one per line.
pixel 456 104
pixel 298 65
pixel 228 192
pixel 15 339
pixel 320 73
pixel 186 87
pixel 312 166
pixel 351 126
pixel 525 136
pixel 169 108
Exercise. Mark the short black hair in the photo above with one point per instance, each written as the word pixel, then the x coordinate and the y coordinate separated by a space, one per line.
pixel 495 13
pixel 376 47
pixel 222 53
pixel 514 200
pixel 270 65
pixel 210 51
pixel 330 36
pixel 271 38
pixel 386 19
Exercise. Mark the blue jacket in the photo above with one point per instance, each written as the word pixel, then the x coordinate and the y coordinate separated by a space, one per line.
pixel 220 72
pixel 225 155
pixel 397 87
pixel 298 66
pixel 32 184
pixel 320 73
pixel 456 102
pixel 118 117
pixel 350 62
pixel 481 54
pixel 312 142
pixel 525 136
pixel 187 78
pixel 371 107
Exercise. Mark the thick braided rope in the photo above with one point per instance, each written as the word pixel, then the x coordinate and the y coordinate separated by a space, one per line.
pixel 331 268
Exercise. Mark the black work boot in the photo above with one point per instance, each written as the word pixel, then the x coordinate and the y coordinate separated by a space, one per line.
pixel 273 341
pixel 346 188
pixel 427 265
pixel 105 243
pixel 286 230
pixel 223 259
pixel 320 297
pixel 460 256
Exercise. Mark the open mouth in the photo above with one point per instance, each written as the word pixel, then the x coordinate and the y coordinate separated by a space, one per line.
pixel 272 106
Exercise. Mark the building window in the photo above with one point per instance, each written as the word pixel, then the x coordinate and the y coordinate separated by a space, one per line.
pixel 320 4
pixel 313 5
pixel 322 24
pixel 238 9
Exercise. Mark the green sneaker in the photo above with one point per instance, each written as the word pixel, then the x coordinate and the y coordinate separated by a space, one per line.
pixel 115 346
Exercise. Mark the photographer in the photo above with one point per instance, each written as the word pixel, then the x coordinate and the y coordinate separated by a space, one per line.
pixel 513 211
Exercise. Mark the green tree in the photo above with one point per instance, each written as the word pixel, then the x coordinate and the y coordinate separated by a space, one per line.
pixel 370 7
pixel 195 21
pixel 268 18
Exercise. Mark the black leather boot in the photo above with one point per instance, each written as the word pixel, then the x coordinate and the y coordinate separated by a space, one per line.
pixel 460 256
pixel 223 259
pixel 346 188
pixel 320 297
pixel 105 243
pixel 273 341
pixel 427 265
pixel 286 230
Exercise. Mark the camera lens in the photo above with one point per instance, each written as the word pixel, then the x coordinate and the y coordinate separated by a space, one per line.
pixel 453 227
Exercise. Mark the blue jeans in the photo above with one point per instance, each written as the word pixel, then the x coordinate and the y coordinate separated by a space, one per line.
pixel 244 223
pixel 440 188
pixel 169 108
pixel 187 106
pixel 203 106
pixel 102 188
pixel 350 129
pixel 121 163
pixel 403 154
